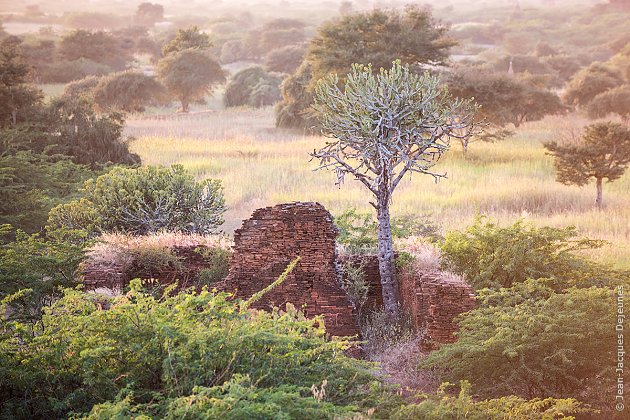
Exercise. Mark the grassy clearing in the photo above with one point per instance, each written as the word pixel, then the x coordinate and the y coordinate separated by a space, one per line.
pixel 260 165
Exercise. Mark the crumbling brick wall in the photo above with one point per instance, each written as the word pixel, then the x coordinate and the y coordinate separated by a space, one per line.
pixel 274 236
pixel 432 299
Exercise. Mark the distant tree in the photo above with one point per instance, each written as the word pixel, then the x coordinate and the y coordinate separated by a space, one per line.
pixel 603 152
pixel 127 91
pixel 383 127
pixel 345 7
pixel 504 99
pixel 590 82
pixel 565 66
pixel 233 50
pixel 189 75
pixel 543 49
pixel 377 37
pixel 613 101
pixel 148 14
pixel 286 59
pixel 75 130
pixel 100 47
pixel 191 38
pixel 17 97
pixel 145 200
pixel 253 87
pixel 283 24
pixel 279 38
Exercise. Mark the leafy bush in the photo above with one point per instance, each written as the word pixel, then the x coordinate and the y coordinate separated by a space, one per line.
pixel 146 200
pixel 492 256
pixel 530 341
pixel 252 87
pixel 38 265
pixel 166 354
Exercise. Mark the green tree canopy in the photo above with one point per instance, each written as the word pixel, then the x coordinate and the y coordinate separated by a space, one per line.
pixel 377 37
pixel 603 152
pixel 17 97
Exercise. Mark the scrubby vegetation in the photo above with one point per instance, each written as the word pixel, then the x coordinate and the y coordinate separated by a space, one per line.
pixel 96 167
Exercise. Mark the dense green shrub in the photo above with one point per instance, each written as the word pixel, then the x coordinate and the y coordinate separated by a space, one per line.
pixel 145 200
pixel 66 71
pixel 38 264
pixel 492 256
pixel 530 341
pixel 253 87
pixel 32 184
pixel 172 352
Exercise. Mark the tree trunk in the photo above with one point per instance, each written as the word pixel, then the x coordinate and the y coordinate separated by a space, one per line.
pixel 184 106
pixel 598 200
pixel 386 266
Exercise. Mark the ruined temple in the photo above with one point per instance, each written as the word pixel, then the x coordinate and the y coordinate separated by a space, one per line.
pixel 266 244
pixel 270 240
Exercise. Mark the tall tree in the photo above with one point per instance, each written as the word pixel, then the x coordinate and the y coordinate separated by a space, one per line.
pixel 603 152
pixel 148 14
pixel 187 39
pixel 17 98
pixel 377 37
pixel 189 75
pixel 385 126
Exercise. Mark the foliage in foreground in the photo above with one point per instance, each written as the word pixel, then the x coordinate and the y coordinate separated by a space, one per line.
pixel 41 264
pixel 145 200
pixel 203 356
pixel 173 351
pixel 462 406
pixel 530 341
pixel 492 256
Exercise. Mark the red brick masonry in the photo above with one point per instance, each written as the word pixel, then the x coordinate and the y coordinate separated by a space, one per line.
pixel 270 240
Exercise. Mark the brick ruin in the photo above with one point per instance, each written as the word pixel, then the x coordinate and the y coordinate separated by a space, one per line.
pixel 270 240
pixel 264 246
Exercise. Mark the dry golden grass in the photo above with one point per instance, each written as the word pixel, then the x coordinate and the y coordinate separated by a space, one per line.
pixel 261 165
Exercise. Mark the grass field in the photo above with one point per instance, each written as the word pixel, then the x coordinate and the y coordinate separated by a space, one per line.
pixel 261 165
